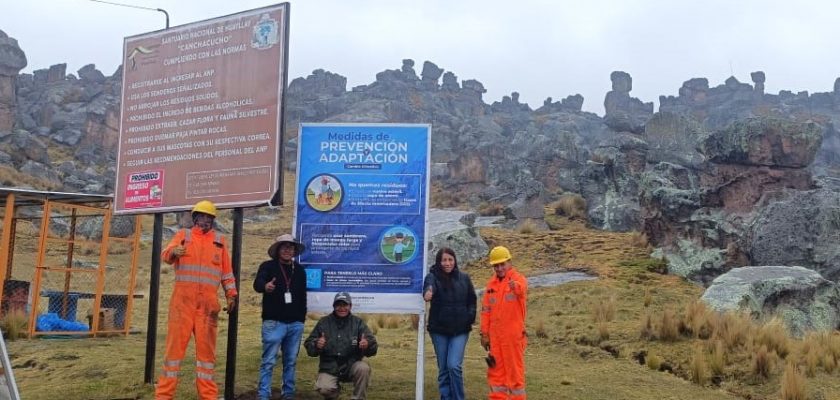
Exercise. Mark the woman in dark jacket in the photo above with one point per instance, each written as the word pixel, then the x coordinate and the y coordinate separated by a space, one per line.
pixel 451 315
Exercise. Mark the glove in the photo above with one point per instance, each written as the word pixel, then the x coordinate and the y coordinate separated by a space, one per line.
pixel 177 252
pixel 231 304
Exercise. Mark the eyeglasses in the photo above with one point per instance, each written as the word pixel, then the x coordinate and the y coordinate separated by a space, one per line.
pixel 499 265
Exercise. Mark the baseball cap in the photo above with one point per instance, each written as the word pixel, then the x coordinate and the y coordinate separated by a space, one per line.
pixel 342 296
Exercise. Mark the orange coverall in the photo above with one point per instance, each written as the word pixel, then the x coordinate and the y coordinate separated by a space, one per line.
pixel 194 308
pixel 503 321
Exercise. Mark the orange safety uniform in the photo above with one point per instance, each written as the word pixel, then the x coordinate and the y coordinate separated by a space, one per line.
pixel 194 308
pixel 503 322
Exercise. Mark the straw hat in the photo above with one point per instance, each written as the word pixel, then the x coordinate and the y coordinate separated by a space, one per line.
pixel 285 238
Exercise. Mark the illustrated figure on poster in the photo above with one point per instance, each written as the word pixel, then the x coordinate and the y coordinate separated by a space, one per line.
pixel 327 194
pixel 323 192
pixel 399 246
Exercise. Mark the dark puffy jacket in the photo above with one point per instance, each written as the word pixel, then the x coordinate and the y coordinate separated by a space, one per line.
pixel 453 301
pixel 342 349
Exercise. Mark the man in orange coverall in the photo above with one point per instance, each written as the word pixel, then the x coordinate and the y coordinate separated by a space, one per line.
pixel 201 260
pixel 503 310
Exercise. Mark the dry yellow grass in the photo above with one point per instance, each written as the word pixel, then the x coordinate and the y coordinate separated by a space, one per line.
pixel 603 329
pixel 603 310
pixel 527 227
pixel 648 298
pixel 699 371
pixel 763 361
pixel 697 319
pixel 653 362
pixel 775 336
pixel 14 325
pixel 646 332
pixel 732 328
pixel 540 330
pixel 639 240
pixel 793 384
pixel 571 205
pixel 717 359
pixel 668 329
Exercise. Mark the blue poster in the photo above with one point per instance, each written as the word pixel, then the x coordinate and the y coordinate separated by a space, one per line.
pixel 360 209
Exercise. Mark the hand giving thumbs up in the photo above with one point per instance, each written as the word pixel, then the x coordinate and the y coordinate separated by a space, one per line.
pixel 321 342
pixel 269 287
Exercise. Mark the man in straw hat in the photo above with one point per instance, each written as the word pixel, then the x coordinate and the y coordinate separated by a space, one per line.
pixel 282 281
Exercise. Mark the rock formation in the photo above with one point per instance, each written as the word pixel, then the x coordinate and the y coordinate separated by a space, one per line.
pixel 12 60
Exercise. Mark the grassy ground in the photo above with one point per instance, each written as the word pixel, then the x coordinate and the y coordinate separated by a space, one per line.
pixel 585 337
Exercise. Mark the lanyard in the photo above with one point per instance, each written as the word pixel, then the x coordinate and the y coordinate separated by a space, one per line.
pixel 287 279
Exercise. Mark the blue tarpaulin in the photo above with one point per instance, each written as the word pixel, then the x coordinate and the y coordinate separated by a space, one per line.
pixel 50 322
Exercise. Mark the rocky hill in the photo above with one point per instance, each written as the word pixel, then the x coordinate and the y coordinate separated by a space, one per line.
pixel 718 177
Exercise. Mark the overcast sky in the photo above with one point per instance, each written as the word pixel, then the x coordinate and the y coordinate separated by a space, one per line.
pixel 539 48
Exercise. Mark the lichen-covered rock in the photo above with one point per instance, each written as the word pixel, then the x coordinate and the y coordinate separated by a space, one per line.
pixel 674 138
pixel 447 228
pixel 799 228
pixel 765 142
pixel 690 260
pixel 801 297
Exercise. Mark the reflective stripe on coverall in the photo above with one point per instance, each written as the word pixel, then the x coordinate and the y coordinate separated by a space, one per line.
pixel 194 308
pixel 503 321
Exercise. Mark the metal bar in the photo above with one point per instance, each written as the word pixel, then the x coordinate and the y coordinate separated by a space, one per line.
pixel 94 210
pixel 233 320
pixel 132 281
pixel 82 242
pixel 36 283
pixel 10 264
pixel 421 350
pixel 154 292
pixel 63 269
pixel 103 260
pixel 69 263
pixel 7 370
pixel 8 218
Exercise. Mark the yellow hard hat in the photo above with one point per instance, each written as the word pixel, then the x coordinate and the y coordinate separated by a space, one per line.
pixel 499 254
pixel 205 207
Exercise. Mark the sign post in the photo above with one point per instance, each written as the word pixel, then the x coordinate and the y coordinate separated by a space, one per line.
pixel 202 119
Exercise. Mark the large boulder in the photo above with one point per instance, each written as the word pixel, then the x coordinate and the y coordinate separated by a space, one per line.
pixel 12 60
pixel 609 182
pixel 456 230
pixel 622 112
pixel 801 297
pixel 674 138
pixel 765 142
pixel 799 228
pixel 668 196
pixel 690 260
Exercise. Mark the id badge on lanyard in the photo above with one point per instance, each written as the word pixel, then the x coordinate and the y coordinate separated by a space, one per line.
pixel 287 297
